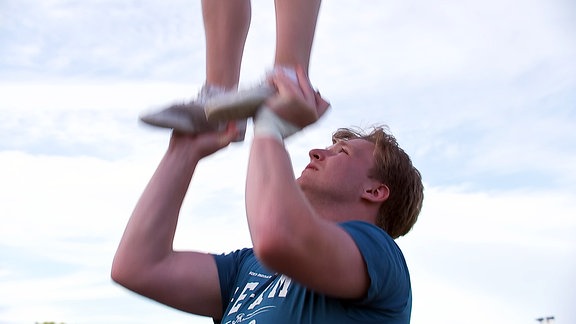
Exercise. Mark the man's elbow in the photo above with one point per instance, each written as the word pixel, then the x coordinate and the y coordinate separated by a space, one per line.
pixel 117 272
pixel 122 273
pixel 272 249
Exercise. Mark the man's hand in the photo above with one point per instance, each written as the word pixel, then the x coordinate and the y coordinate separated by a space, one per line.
pixel 203 144
pixel 296 102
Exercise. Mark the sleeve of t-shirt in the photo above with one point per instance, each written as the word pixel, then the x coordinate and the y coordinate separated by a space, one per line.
pixel 389 277
pixel 228 265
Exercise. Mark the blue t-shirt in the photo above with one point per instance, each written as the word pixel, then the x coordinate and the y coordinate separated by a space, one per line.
pixel 252 294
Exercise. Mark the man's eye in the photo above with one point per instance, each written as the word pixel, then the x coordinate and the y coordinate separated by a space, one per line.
pixel 343 151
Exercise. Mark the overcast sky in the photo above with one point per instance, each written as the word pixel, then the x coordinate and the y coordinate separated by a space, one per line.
pixel 481 94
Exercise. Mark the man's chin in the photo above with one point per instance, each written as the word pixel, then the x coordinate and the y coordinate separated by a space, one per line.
pixel 301 182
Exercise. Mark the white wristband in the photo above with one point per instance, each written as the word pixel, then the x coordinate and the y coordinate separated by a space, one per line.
pixel 267 123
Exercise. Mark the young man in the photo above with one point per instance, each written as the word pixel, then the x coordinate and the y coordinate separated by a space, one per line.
pixel 323 248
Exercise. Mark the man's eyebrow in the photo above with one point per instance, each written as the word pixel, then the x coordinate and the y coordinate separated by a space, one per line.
pixel 341 143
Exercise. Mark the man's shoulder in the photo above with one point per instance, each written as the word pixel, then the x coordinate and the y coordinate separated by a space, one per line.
pixel 357 228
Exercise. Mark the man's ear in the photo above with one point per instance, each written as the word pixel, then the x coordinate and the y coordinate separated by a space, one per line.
pixel 378 192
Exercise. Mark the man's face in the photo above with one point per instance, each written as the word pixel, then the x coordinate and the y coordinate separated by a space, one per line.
pixel 340 171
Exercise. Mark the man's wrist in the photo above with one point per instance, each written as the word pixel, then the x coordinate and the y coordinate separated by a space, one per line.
pixel 268 124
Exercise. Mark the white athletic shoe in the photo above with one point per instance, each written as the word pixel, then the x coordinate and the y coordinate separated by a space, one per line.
pixel 243 103
pixel 237 105
pixel 183 117
pixel 190 117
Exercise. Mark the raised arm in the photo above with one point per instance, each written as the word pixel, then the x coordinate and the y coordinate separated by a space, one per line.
pixel 145 261
pixel 288 234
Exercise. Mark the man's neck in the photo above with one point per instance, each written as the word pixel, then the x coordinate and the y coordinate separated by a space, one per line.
pixel 342 211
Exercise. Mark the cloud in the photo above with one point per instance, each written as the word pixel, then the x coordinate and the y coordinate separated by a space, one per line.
pixel 97 38
pixel 501 257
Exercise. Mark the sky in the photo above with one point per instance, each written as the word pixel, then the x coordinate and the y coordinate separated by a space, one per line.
pixel 481 94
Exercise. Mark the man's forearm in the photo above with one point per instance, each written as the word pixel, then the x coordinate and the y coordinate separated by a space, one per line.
pixel 276 208
pixel 150 231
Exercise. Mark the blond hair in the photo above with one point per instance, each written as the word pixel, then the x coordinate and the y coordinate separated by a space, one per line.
pixel 393 167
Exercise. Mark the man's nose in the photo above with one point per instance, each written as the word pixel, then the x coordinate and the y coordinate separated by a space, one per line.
pixel 317 154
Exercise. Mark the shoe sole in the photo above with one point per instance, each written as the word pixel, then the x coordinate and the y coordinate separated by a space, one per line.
pixel 190 123
pixel 233 106
pixel 181 119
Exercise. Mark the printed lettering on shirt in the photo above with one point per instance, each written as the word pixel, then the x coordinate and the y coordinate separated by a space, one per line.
pixel 283 282
pixel 249 286
pixel 278 288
